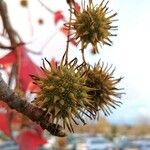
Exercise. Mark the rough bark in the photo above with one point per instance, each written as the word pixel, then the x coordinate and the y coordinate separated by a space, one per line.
pixel 23 106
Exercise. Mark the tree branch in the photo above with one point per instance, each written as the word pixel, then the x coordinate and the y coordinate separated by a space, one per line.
pixel 7 25
pixel 34 113
pixel 13 36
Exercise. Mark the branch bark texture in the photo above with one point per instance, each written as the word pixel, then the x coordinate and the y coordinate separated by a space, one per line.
pixel 23 106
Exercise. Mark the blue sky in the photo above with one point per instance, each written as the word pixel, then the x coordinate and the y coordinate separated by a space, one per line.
pixel 129 53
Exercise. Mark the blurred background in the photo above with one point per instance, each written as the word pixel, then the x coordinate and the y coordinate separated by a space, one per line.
pixel 129 125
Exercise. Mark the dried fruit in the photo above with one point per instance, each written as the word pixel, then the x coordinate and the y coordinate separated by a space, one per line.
pixel 106 93
pixel 93 25
pixel 63 93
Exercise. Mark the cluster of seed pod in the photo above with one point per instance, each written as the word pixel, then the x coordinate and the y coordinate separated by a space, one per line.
pixel 72 92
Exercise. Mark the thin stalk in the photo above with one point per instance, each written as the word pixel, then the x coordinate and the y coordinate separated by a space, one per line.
pixel 83 56
pixel 68 36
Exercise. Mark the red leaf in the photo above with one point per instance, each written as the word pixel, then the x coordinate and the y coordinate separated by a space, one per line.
pixel 8 59
pixel 65 31
pixel 58 16
pixel 30 140
pixel 4 123
pixel 77 7
pixel 3 105
pixel 12 117
pixel 25 65
pixel 33 87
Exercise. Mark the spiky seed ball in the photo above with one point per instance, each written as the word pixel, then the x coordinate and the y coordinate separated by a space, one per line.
pixel 106 93
pixel 63 93
pixel 93 25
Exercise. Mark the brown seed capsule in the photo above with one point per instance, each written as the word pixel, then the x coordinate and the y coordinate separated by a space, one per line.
pixel 105 94
pixel 93 25
pixel 63 94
